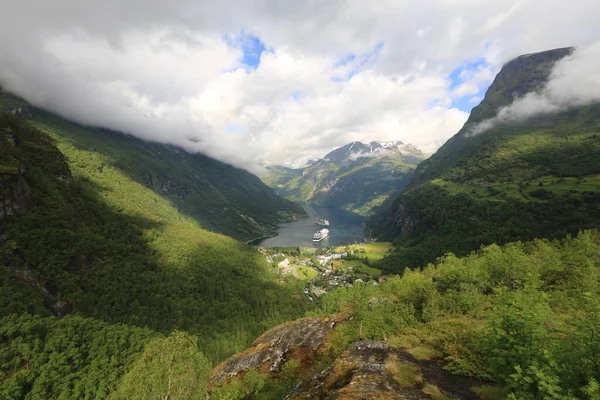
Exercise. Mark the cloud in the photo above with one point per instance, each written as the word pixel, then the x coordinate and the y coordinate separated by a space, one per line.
pixel 574 81
pixel 273 80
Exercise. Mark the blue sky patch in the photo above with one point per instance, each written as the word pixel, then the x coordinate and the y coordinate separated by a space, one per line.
pixel 252 48
pixel 234 128
pixel 347 59
pixel 296 95
pixel 463 74
pixel 357 62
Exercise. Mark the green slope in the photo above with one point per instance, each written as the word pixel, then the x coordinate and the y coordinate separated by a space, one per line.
pixel 521 318
pixel 80 236
pixel 220 197
pixel 358 184
pixel 535 178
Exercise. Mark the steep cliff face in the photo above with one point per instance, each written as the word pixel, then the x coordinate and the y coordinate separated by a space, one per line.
pixel 359 177
pixel 525 74
pixel 23 182
pixel 18 149
pixel 514 181
pixel 14 193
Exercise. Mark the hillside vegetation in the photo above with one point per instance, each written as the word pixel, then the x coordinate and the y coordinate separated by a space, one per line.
pixel 358 177
pixel 81 237
pixel 220 197
pixel 516 181
pixel 522 319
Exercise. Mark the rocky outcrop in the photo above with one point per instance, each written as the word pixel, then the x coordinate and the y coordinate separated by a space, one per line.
pixel 14 192
pixel 301 339
pixel 373 370
pixel 59 307
pixel 403 219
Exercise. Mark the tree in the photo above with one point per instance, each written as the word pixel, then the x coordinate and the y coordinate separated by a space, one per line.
pixel 170 368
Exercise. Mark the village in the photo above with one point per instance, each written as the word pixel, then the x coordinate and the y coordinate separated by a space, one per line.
pixel 330 268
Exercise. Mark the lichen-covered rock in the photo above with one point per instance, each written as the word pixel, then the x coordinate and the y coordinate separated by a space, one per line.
pixel 359 373
pixel 269 352
pixel 373 370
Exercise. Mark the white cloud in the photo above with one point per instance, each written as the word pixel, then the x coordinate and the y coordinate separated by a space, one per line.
pixel 575 81
pixel 162 70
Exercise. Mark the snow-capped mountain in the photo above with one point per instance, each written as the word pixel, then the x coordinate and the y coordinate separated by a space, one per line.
pixel 358 176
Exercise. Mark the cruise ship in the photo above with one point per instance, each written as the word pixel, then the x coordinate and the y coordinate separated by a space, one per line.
pixel 322 221
pixel 322 234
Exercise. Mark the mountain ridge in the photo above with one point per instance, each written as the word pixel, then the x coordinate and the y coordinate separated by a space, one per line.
pixel 221 197
pixel 359 177
pixel 518 180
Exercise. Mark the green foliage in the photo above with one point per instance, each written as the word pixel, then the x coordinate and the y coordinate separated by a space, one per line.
pixel 525 315
pixel 84 237
pixel 261 386
pixel 169 368
pixel 67 358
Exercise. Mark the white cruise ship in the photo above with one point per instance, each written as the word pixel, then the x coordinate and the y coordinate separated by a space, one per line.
pixel 322 234
pixel 322 221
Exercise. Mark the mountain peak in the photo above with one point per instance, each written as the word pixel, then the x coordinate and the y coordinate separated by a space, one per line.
pixel 355 150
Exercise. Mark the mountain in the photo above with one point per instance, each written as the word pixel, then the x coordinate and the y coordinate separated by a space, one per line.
pixel 110 292
pixel 358 177
pixel 518 180
pixel 220 197
pixel 94 265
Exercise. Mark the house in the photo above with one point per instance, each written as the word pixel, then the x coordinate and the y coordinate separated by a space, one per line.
pixel 324 259
pixel 337 256
pixel 284 264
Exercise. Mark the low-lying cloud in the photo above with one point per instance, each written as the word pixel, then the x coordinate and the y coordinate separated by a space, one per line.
pixel 574 81
pixel 270 80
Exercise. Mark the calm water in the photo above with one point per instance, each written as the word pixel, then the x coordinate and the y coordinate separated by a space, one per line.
pixel 345 228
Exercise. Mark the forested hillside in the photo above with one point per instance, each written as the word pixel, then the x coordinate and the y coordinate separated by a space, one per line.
pixel 81 238
pixel 521 321
pixel 518 180
pixel 358 177
pixel 220 197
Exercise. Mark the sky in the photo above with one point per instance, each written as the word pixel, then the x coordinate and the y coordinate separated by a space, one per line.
pixel 276 81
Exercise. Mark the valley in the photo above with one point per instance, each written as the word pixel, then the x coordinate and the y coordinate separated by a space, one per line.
pixel 345 228
pixel 359 177
pixel 134 270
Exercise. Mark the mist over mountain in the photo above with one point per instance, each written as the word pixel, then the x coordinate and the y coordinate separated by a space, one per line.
pixel 159 160
pixel 535 175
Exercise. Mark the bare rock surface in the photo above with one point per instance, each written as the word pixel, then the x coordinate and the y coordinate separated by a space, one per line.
pixel 270 351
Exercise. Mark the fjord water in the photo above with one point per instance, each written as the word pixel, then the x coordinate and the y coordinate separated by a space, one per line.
pixel 346 227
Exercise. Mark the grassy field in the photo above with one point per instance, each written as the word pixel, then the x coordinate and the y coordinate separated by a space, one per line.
pixel 507 191
pixel 358 266
pixel 373 251
pixel 306 273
